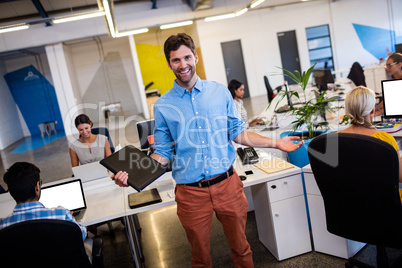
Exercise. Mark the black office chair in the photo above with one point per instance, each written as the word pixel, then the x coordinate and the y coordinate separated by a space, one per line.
pixel 358 179
pixel 104 131
pixel 356 74
pixel 46 243
pixel 270 91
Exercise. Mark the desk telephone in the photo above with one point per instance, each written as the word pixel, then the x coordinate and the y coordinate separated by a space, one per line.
pixel 247 155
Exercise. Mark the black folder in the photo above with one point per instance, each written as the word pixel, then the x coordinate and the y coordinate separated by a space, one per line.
pixel 142 169
pixel 144 198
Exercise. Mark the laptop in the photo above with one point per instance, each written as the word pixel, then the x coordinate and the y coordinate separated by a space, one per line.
pixel 69 195
pixel 90 172
pixel 142 169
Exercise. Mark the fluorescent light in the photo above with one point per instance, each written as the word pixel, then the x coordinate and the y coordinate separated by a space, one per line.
pixel 132 32
pixel 177 24
pixel 256 3
pixel 220 17
pixel 109 18
pixel 79 17
pixel 241 12
pixel 14 28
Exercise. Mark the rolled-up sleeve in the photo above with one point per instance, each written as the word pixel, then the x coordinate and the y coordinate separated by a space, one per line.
pixel 235 123
pixel 164 144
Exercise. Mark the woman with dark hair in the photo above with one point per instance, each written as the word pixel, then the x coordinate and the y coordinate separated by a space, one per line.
pixel 393 65
pixel 89 147
pixel 236 88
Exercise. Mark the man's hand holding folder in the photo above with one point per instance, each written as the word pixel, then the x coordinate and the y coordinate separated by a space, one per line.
pixel 131 167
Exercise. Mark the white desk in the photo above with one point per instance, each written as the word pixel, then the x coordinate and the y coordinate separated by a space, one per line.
pixel 324 241
pixel 280 212
pixel 104 199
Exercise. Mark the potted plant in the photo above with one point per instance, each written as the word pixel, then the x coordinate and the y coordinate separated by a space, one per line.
pixel 307 116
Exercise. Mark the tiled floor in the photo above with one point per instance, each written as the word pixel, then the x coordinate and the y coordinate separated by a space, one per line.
pixel 163 238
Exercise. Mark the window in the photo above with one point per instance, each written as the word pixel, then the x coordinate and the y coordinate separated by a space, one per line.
pixel 319 46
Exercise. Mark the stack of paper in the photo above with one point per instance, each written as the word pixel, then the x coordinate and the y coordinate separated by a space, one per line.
pixel 273 165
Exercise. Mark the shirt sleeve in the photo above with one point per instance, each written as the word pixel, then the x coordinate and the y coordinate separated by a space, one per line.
pixel 236 125
pixel 70 217
pixel 164 143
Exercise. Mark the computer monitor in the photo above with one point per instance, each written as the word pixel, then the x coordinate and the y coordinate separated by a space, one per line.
pixel 392 96
pixel 398 48
pixel 145 129
pixel 323 77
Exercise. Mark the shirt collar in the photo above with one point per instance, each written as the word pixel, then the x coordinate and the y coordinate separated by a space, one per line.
pixel 181 90
pixel 29 205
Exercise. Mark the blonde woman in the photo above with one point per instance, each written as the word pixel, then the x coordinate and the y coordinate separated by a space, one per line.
pixel 359 107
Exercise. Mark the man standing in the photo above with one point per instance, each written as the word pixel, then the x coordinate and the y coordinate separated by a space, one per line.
pixel 195 124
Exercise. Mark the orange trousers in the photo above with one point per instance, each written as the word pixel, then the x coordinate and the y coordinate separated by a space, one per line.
pixel 195 207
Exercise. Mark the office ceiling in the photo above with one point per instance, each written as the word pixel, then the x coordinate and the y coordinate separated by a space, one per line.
pixel 38 11
pixel 42 11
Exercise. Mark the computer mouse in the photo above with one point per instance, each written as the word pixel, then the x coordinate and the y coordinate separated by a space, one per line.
pixel 242 177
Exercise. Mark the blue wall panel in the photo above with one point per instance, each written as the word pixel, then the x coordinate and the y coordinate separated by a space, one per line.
pixel 35 97
pixel 377 40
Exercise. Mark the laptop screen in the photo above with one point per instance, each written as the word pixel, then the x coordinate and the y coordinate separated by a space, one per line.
pixel 392 94
pixel 69 195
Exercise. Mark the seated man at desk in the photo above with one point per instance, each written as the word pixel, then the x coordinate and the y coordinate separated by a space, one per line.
pixel 198 120
pixel 24 184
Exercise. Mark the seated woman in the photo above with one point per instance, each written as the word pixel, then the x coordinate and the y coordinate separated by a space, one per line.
pixel 89 147
pixel 236 88
pixel 393 66
pixel 360 107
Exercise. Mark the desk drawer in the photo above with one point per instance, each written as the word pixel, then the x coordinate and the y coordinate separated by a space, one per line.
pixel 311 184
pixel 285 188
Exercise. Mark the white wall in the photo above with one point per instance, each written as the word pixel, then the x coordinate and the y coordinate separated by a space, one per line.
pixel 10 126
pixel 257 31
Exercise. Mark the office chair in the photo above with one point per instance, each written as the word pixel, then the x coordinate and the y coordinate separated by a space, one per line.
pixel 358 179
pixel 270 91
pixel 104 131
pixel 356 74
pixel 47 243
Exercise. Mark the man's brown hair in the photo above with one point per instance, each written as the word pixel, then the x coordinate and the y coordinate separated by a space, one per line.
pixel 175 41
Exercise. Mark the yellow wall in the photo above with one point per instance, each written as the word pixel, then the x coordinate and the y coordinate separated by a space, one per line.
pixel 154 67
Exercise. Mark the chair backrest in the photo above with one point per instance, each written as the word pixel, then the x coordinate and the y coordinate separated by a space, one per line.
pixel 270 91
pixel 43 243
pixel 356 74
pixel 104 131
pixel 358 179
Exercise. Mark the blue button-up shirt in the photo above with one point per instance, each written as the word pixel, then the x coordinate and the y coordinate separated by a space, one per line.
pixel 37 211
pixel 199 127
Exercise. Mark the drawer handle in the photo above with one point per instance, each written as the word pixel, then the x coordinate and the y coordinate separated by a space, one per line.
pixel 276 215
pixel 273 186
pixel 285 182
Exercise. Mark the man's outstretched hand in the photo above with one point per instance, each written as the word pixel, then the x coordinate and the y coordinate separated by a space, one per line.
pixel 286 144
